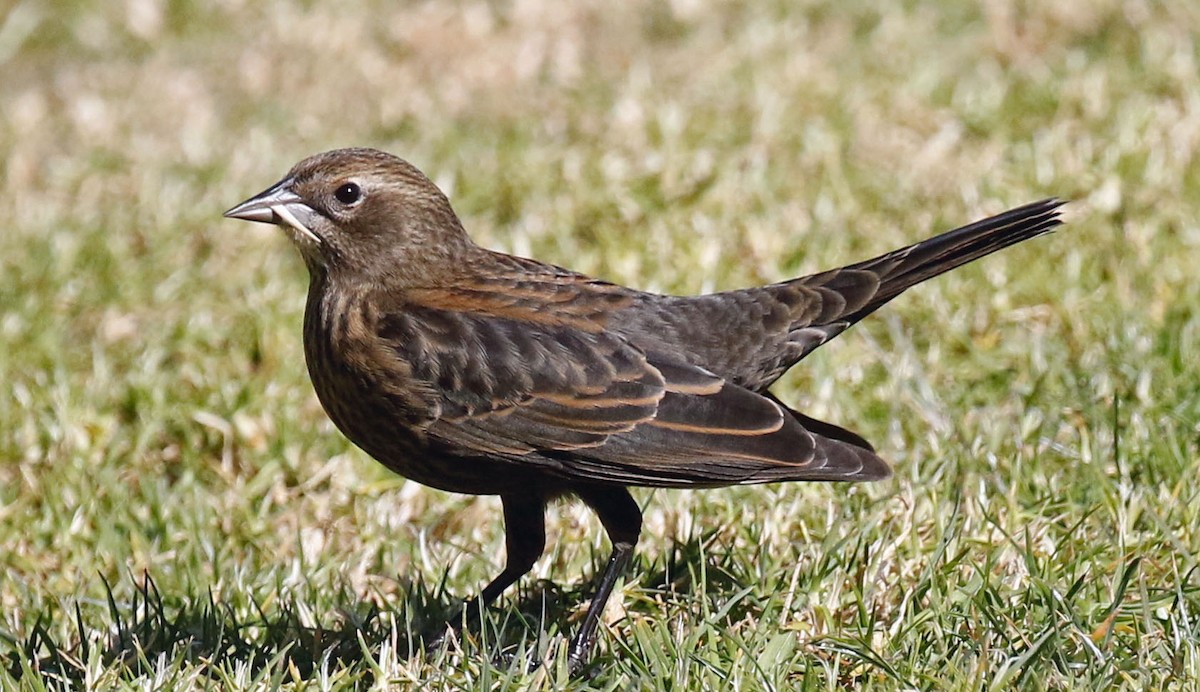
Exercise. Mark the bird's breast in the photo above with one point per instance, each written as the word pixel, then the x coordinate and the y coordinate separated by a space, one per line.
pixel 367 391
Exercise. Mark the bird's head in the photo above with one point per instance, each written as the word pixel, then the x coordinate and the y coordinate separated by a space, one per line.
pixel 363 214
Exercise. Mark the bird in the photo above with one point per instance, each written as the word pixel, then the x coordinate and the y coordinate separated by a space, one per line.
pixel 479 372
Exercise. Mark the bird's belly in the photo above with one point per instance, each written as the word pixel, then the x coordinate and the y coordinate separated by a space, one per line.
pixel 393 434
pixel 383 427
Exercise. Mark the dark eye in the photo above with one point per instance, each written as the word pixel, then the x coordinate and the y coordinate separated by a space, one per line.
pixel 348 193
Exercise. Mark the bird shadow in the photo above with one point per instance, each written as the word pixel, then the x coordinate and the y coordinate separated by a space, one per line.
pixel 138 632
pixel 538 612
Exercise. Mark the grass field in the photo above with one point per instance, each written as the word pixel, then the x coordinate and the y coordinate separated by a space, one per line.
pixel 177 512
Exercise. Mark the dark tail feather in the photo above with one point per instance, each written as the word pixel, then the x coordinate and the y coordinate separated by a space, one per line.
pixel 909 266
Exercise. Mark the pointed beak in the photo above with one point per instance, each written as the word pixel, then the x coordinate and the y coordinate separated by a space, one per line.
pixel 280 206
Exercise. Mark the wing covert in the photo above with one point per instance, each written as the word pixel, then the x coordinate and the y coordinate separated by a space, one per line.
pixel 589 404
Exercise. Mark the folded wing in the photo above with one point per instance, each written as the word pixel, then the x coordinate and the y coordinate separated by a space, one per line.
pixel 547 384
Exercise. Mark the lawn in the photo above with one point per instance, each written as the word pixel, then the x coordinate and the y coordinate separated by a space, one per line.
pixel 177 512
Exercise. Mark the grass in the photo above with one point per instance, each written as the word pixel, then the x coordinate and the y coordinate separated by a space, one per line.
pixel 175 510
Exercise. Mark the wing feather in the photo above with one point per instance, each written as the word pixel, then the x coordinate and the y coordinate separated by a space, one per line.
pixel 526 385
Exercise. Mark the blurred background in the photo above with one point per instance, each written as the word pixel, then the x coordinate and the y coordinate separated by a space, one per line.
pixel 1042 407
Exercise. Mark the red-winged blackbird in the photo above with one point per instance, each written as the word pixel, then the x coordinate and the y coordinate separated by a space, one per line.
pixel 479 372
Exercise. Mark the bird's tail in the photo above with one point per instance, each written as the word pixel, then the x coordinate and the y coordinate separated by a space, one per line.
pixel 901 269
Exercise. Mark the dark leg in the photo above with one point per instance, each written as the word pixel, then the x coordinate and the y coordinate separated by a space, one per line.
pixel 622 519
pixel 525 539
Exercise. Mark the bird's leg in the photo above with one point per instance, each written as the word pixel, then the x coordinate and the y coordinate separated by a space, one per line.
pixel 622 519
pixel 525 539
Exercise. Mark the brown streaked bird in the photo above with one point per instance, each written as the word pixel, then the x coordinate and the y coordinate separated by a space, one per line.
pixel 478 372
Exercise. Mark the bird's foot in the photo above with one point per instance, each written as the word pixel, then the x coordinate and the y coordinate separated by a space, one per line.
pixel 579 654
pixel 438 639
